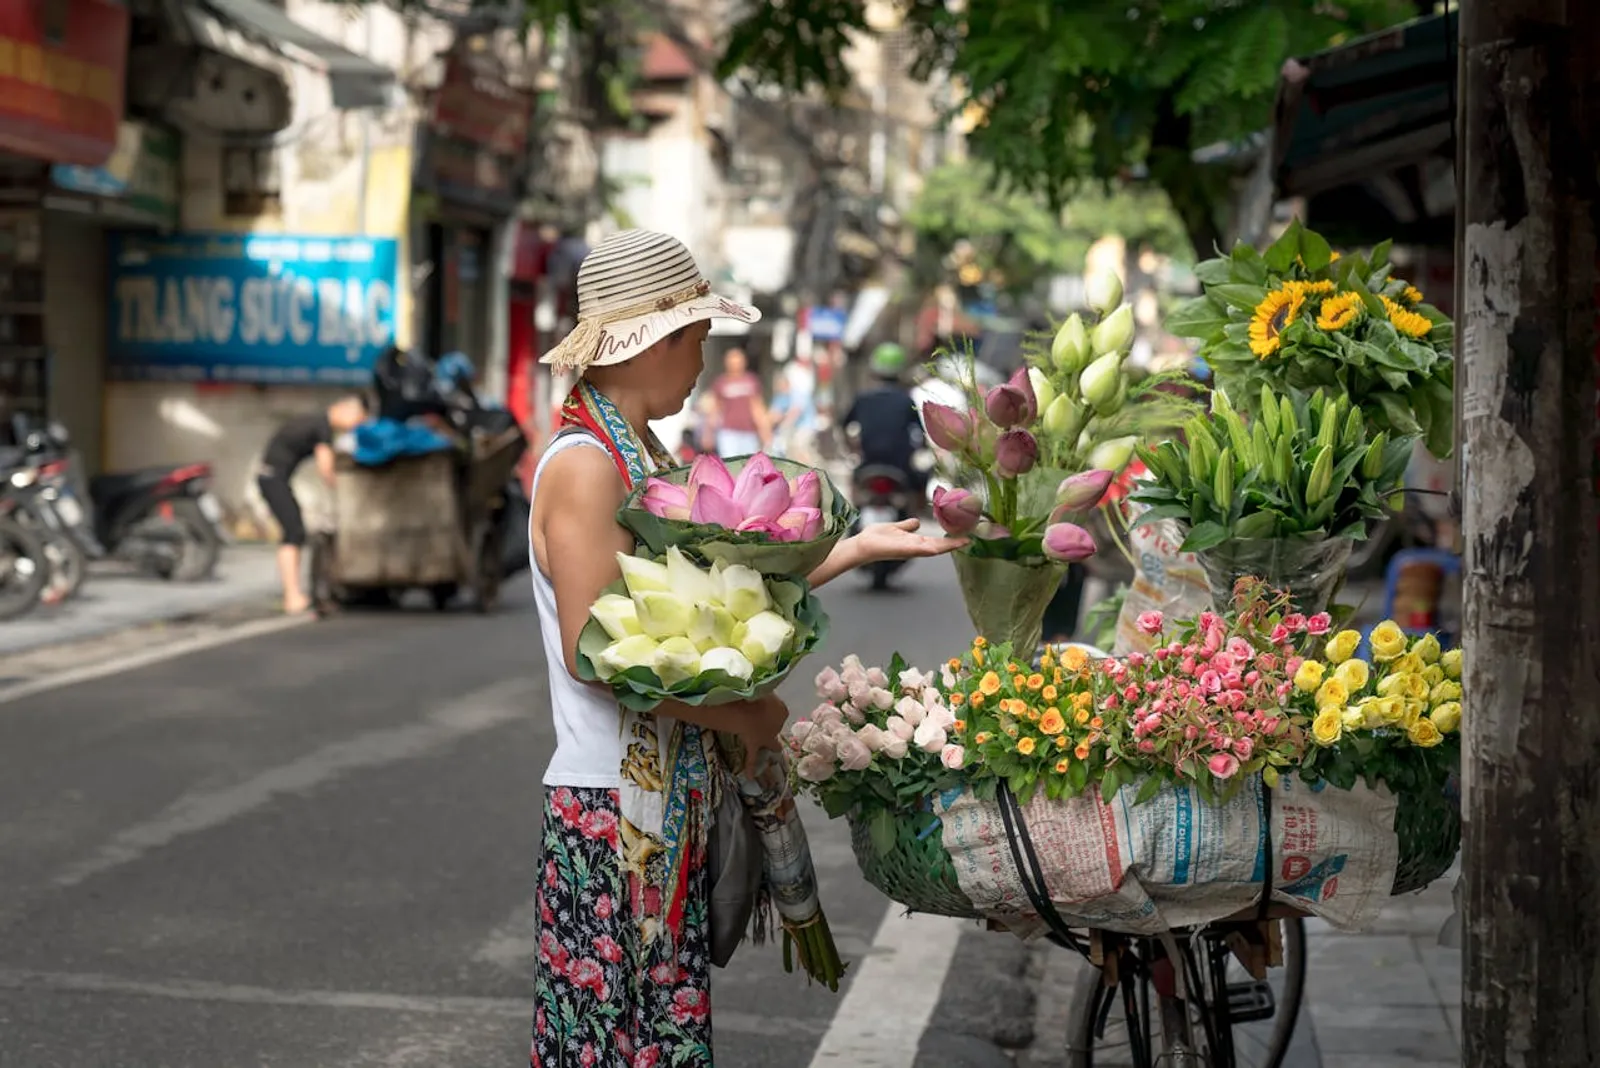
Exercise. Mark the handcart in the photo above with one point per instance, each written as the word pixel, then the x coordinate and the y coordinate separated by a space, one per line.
pixel 434 522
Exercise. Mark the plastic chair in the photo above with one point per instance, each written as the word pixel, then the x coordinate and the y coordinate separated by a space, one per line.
pixel 1445 560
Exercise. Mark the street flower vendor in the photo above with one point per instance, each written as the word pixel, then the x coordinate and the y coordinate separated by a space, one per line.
pixel 623 893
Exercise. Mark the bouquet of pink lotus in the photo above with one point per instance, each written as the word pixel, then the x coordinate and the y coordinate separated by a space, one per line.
pixel 774 516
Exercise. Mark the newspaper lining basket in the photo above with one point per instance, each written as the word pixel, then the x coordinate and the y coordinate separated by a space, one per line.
pixel 916 871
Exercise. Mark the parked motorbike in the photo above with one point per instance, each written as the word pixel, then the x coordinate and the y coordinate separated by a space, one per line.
pixel 23 567
pixel 40 505
pixel 883 495
pixel 162 520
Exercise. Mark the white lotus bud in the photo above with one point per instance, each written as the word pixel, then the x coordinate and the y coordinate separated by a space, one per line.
pixel 691 583
pixel 712 626
pixel 767 634
pixel 642 575
pixel 729 661
pixel 1103 291
pixel 1114 333
pixel 617 615
pixel 1070 349
pixel 663 615
pixel 744 591
pixel 676 659
pixel 639 650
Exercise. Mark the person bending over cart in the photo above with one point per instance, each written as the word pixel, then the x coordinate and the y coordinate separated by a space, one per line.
pixel 302 437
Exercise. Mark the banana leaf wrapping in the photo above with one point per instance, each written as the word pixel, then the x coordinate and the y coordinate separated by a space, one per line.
pixel 1311 569
pixel 1006 599
pixel 751 548
pixel 640 689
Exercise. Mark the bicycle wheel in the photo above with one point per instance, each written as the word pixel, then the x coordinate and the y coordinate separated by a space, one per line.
pixel 1098 1034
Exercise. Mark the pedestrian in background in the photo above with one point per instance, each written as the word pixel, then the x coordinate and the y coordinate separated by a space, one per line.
pixel 623 970
pixel 744 425
pixel 298 440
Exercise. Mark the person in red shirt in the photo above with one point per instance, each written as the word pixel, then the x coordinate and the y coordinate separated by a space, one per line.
pixel 740 412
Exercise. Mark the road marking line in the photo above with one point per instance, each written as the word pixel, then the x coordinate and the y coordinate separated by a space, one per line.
pixel 145 657
pixel 204 810
pixel 239 994
pixel 892 997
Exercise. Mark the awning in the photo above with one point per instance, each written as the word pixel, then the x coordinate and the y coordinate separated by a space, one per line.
pixel 246 29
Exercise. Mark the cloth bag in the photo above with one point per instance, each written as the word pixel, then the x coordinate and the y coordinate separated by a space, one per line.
pixel 734 862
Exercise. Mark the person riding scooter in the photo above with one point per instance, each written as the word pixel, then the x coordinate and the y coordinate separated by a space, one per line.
pixel 884 420
pixel 300 439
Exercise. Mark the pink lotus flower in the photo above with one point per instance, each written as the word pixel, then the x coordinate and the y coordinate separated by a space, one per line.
pixel 1068 543
pixel 1015 453
pixel 1007 406
pixel 801 524
pixel 715 507
pixel 947 428
pixel 1224 765
pixel 1080 493
pixel 957 510
pixel 806 491
pixel 665 499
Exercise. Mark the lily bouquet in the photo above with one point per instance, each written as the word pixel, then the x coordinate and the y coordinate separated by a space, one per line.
pixel 670 629
pixel 776 516
pixel 1299 316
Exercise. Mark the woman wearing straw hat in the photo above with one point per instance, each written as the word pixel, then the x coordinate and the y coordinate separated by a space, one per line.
pixel 622 977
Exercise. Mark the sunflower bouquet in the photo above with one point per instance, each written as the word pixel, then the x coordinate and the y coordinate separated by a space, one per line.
pixel 1301 316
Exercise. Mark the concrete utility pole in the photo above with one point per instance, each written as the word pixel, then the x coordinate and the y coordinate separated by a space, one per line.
pixel 1530 114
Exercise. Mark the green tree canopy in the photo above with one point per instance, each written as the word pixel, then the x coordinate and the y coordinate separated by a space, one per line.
pixel 1069 90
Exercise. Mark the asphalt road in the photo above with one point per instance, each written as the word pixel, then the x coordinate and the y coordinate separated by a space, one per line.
pixel 317 848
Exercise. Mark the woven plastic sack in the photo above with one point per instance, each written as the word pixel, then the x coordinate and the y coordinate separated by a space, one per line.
pixel 1164 580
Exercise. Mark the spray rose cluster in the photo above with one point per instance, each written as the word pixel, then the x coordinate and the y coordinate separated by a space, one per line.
pixel 870 718
pixel 1214 702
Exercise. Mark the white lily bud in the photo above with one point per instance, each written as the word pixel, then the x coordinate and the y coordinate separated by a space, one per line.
pixel 638 650
pixel 676 659
pixel 663 615
pixel 729 661
pixel 1101 379
pixel 1043 391
pixel 691 583
pixel 642 575
pixel 1115 332
pixel 1070 349
pixel 1103 291
pixel 767 634
pixel 1063 419
pixel 744 591
pixel 617 615
pixel 1113 455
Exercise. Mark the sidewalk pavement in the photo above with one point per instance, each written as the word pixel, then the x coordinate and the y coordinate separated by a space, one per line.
pixel 115 599
pixel 1385 998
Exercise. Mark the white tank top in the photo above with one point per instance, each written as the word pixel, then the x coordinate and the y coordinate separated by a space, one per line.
pixel 588 723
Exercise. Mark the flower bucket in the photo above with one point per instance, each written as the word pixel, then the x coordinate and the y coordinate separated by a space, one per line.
pixel 1006 599
pixel 1309 569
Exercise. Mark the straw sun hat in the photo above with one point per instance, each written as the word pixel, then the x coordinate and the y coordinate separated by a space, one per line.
pixel 634 289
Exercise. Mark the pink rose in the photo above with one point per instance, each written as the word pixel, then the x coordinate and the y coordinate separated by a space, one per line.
pixel 877 677
pixel 911 710
pixel 1240 649
pixel 853 753
pixel 1224 765
pixel 880 699
pixel 814 767
pixel 1319 623
pixel 1243 748
pixel 953 757
pixel 895 747
pixel 900 727
pixel 873 736
pixel 1150 622
pixel 830 687
pixel 1147 746
pixel 1280 634
pixel 1295 622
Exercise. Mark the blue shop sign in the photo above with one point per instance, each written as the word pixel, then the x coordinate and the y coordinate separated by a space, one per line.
pixel 261 308
pixel 827 324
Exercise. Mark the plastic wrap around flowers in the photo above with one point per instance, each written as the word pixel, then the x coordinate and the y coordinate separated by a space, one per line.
pixel 775 516
pixel 671 630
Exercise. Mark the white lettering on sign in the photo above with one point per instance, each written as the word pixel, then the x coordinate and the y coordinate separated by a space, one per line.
pixel 286 309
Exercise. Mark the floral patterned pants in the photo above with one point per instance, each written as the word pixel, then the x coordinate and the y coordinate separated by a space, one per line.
pixel 601 999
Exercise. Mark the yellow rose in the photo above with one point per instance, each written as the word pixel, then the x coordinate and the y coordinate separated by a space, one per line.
pixel 1354 675
pixel 1447 717
pixel 1372 712
pixel 1354 719
pixel 1445 691
pixel 1427 647
pixel 1410 664
pixel 1415 710
pixel 1052 723
pixel 1423 733
pixel 1328 726
pixel 1434 675
pixel 1025 745
pixel 1391 711
pixel 1332 694
pixel 1388 641
pixel 1343 646
pixel 1309 677
pixel 1415 687
pixel 1451 662
pixel 1390 685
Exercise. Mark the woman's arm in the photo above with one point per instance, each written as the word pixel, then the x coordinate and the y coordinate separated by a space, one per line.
pixel 323 456
pixel 881 541
pixel 576 542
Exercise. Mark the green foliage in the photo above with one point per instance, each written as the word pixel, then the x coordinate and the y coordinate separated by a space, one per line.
pixel 1304 467
pixel 1403 384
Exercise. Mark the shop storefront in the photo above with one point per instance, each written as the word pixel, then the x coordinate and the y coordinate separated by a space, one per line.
pixel 62 68
pixel 470 175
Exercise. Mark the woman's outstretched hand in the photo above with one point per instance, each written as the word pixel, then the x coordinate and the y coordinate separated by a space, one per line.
pixel 900 541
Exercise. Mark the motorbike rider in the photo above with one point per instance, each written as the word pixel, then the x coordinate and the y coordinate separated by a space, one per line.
pixel 301 438
pixel 884 422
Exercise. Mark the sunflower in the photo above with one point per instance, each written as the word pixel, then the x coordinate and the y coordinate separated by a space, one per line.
pixel 1339 312
pixel 1275 312
pixel 1306 289
pixel 1407 321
